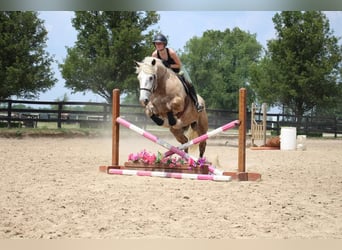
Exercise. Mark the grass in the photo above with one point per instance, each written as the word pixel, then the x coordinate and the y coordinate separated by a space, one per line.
pixel 53 132
pixel 53 125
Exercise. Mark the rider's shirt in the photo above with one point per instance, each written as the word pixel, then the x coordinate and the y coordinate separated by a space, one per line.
pixel 169 60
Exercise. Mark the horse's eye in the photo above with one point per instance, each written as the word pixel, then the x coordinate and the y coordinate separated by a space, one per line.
pixel 151 78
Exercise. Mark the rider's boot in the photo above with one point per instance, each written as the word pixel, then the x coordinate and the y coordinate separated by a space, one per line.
pixel 193 96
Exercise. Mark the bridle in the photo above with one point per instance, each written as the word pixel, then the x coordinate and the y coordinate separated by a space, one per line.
pixel 146 89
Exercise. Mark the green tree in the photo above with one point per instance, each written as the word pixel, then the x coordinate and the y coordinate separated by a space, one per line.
pixel 107 45
pixel 301 70
pixel 219 63
pixel 25 67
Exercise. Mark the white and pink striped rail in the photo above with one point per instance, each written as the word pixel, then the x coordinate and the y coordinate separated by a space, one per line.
pixel 205 136
pixel 204 177
pixel 164 144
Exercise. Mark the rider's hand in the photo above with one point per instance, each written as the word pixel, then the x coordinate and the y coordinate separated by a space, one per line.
pixel 166 64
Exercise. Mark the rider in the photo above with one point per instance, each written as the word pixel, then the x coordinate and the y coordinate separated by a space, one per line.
pixel 171 60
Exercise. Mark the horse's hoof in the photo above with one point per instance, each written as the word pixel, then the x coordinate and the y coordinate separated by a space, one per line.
pixel 172 122
pixel 157 120
pixel 171 118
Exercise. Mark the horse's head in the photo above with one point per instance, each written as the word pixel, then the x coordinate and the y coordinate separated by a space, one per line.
pixel 147 75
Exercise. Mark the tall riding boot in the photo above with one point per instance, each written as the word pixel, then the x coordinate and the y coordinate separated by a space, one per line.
pixel 193 96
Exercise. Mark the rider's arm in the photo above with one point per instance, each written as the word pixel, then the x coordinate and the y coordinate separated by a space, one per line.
pixel 155 54
pixel 177 64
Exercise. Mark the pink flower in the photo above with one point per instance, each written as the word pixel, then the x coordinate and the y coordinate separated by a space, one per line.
pixel 143 156
pixel 150 158
pixel 164 160
pixel 191 162
pixel 133 157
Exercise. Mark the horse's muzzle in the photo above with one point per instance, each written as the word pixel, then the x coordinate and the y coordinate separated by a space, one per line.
pixel 144 102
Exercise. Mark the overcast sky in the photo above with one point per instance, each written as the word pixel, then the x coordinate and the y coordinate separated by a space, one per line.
pixel 179 26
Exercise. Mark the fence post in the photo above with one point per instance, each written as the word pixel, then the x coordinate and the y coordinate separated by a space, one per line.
pixel 9 113
pixel 106 113
pixel 59 115
pixel 278 125
pixel 335 127
pixel 306 125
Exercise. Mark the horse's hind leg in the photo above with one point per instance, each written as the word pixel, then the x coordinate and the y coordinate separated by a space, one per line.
pixel 194 126
pixel 179 135
pixel 202 147
pixel 202 128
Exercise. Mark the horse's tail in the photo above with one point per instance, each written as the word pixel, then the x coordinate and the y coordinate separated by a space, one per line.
pixel 192 134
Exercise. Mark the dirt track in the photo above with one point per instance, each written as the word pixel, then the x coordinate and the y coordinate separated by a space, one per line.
pixel 51 188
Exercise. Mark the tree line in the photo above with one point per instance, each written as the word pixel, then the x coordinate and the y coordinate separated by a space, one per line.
pixel 299 71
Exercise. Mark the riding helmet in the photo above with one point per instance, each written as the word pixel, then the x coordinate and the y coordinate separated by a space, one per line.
pixel 160 38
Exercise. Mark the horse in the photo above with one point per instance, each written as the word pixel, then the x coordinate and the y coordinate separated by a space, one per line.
pixel 167 103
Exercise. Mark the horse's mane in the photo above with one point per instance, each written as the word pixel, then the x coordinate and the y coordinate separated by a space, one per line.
pixel 148 67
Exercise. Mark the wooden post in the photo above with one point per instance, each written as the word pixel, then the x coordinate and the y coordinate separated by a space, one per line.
pixel 115 127
pixel 59 115
pixel 9 113
pixel 253 125
pixel 264 122
pixel 242 130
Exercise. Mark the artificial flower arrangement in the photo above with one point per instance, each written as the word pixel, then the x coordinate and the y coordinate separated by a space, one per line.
pixel 151 159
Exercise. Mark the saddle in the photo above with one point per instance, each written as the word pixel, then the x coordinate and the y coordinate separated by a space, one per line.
pixel 186 84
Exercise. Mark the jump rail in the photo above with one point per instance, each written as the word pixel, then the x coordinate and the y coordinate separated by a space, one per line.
pixel 164 144
pixel 205 136
pixel 205 177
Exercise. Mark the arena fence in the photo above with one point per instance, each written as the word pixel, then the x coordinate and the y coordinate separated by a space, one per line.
pixel 23 113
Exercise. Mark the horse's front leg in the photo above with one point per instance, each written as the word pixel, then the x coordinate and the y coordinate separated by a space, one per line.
pixel 175 106
pixel 171 118
pixel 149 112
pixel 157 120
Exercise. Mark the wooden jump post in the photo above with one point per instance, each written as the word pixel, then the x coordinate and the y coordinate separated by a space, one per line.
pixel 241 175
pixel 115 127
pixel 242 130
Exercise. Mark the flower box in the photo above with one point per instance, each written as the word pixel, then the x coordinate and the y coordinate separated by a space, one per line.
pixel 184 168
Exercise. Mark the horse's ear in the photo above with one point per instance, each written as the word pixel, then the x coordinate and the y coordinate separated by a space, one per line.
pixel 137 63
pixel 153 62
pixel 137 66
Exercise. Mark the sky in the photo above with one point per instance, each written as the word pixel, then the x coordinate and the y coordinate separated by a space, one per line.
pixel 178 26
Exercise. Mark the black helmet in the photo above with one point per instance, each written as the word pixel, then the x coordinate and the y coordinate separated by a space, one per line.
pixel 160 38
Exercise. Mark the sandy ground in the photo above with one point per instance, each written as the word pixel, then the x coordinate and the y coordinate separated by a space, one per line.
pixel 51 188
